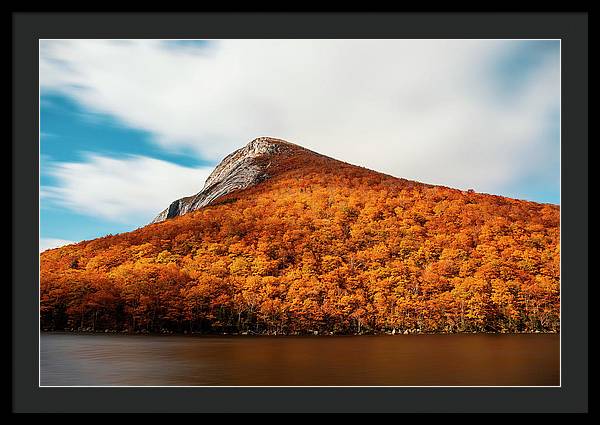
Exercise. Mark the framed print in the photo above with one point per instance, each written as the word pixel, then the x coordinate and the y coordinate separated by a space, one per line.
pixel 334 213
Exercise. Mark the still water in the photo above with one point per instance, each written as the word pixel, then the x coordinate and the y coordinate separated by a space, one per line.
pixel 475 359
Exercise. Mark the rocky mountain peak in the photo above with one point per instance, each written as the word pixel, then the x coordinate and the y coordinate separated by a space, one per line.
pixel 239 170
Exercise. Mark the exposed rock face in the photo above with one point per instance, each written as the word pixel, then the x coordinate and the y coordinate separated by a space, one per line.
pixel 239 170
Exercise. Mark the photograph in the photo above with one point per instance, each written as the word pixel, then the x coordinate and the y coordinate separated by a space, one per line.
pixel 299 212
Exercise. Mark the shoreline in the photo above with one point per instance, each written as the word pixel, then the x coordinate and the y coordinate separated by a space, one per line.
pixel 245 334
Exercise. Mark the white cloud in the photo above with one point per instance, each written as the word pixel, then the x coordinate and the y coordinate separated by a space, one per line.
pixel 421 109
pixel 49 243
pixel 135 188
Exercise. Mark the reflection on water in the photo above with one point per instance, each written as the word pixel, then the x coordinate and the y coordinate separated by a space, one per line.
pixel 69 359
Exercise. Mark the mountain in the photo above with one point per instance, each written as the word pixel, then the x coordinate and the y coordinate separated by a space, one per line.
pixel 285 240
pixel 248 166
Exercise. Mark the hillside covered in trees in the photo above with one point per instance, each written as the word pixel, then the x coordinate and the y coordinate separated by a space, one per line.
pixel 318 246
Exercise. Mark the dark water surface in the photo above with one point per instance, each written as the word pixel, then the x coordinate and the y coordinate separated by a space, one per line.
pixel 474 359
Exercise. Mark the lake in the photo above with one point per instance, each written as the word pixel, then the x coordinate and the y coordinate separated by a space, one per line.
pixel 402 360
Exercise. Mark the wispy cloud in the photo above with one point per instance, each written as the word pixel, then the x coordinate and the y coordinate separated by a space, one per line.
pixel 439 111
pixel 133 188
pixel 49 243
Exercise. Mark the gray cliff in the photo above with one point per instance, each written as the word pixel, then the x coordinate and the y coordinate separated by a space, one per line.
pixel 239 170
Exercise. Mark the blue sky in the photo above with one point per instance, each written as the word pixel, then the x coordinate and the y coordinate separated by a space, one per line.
pixel 128 126
pixel 69 133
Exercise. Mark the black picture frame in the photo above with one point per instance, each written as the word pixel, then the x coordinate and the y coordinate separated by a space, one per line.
pixel 571 28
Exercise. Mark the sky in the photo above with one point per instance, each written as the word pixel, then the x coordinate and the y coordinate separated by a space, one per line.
pixel 127 126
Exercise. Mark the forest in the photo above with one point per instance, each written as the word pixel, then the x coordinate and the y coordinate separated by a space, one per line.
pixel 322 247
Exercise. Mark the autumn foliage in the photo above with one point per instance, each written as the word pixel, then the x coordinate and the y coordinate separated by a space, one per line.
pixel 321 246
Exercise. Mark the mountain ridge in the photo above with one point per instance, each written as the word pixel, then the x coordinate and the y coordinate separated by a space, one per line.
pixel 248 166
